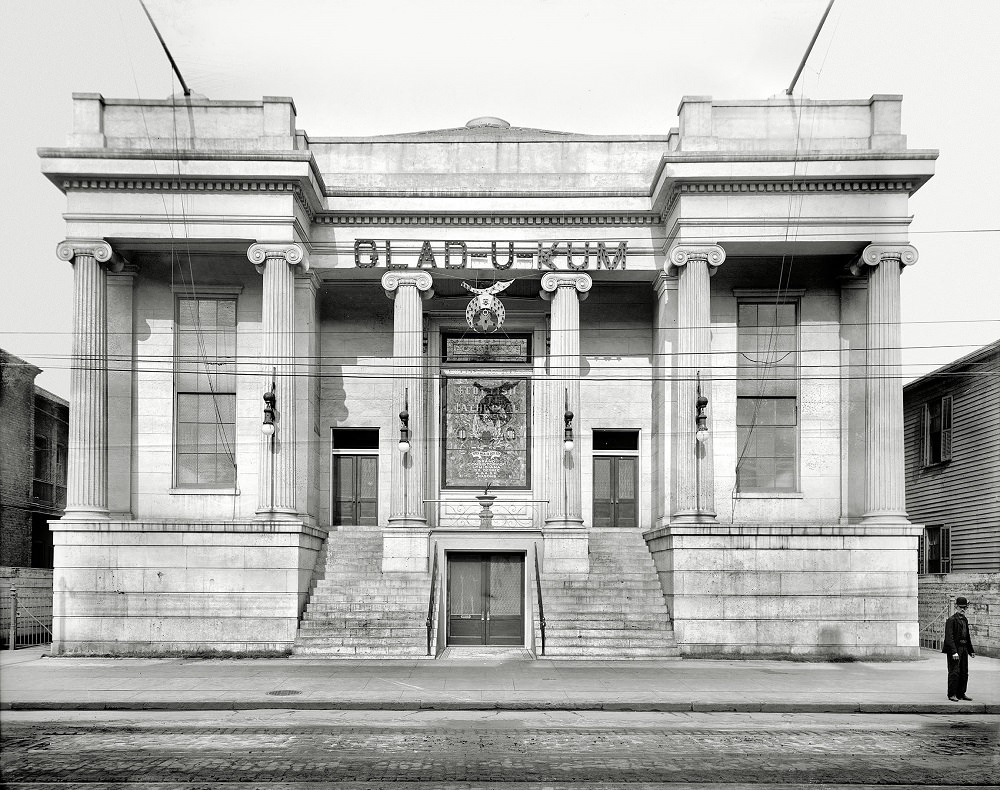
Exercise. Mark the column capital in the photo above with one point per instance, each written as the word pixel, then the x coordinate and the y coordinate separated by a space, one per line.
pixel 98 249
pixel 421 280
pixel 292 254
pixel 874 254
pixel 551 281
pixel 680 254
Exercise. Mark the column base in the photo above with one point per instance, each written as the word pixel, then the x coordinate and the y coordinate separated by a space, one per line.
pixel 694 517
pixel 405 547
pixel 277 514
pixel 566 549
pixel 884 517
pixel 85 514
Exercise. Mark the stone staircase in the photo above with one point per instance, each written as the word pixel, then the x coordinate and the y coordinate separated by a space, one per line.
pixel 616 611
pixel 356 611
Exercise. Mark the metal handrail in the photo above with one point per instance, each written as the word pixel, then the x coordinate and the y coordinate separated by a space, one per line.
pixel 541 610
pixel 430 605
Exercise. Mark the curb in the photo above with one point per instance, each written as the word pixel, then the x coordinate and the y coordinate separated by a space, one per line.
pixel 429 705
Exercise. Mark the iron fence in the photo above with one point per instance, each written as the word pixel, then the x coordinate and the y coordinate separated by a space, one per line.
pixel 26 618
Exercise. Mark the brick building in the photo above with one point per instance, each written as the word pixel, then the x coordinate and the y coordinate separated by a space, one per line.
pixel 393 394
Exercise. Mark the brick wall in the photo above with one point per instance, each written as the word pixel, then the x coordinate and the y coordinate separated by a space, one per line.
pixel 937 595
pixel 17 448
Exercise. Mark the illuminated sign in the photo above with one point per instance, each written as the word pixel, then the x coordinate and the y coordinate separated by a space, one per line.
pixel 544 255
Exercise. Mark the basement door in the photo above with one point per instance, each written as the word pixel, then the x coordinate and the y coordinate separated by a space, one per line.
pixel 485 599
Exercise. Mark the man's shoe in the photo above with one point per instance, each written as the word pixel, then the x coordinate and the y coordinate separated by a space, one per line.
pixel 953 699
pixel 966 698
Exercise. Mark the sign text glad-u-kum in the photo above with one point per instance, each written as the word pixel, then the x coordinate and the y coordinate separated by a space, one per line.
pixel 543 255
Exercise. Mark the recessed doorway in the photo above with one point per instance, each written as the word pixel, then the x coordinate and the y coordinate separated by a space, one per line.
pixel 485 599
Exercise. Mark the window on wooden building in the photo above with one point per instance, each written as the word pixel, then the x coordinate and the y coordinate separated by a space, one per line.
pixel 936 550
pixel 937 419
pixel 205 393
pixel 767 397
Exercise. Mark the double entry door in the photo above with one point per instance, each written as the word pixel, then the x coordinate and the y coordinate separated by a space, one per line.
pixel 615 487
pixel 485 598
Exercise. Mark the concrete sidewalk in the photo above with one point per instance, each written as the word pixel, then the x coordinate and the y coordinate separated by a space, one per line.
pixel 31 680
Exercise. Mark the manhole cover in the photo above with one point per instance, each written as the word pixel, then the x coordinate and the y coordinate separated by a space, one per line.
pixel 283 693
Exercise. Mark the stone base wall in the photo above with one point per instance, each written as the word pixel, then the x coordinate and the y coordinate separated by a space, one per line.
pixel 937 603
pixel 836 591
pixel 165 587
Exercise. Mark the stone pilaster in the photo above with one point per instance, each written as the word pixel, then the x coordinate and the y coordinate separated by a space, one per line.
pixel 664 345
pixel 885 487
pixel 121 365
pixel 87 453
pixel 277 263
pixel 407 289
pixel 693 461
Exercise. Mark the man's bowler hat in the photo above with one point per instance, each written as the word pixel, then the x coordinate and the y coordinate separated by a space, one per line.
pixel 961 601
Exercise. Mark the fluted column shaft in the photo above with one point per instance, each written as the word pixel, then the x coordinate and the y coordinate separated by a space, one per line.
pixel 276 486
pixel 885 484
pixel 406 501
pixel 87 453
pixel 694 486
pixel 566 291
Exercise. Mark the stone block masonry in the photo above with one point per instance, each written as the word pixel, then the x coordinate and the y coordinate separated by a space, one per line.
pixel 171 588
pixel 937 593
pixel 793 590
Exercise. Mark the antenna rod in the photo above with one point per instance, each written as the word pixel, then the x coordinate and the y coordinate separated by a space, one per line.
pixel 177 71
pixel 805 57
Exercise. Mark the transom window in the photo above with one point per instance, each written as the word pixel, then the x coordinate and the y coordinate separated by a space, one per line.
pixel 205 392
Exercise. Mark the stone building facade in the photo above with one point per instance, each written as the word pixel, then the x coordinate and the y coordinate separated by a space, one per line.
pixel 626 396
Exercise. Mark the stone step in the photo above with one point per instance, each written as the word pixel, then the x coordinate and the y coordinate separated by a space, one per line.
pixel 357 634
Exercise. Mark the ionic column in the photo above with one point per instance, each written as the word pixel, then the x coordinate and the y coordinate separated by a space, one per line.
pixel 885 486
pixel 87 453
pixel 277 262
pixel 407 289
pixel 694 492
pixel 565 290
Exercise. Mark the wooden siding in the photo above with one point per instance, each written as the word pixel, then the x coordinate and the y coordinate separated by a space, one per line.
pixel 963 493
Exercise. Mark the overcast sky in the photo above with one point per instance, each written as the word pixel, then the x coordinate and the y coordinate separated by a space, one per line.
pixel 591 66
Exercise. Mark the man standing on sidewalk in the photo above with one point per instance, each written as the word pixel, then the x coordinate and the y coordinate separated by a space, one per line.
pixel 959 649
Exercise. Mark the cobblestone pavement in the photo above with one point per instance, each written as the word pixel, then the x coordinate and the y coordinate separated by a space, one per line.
pixel 429 749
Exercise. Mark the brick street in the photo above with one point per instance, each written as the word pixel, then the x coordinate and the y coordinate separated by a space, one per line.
pixel 482 749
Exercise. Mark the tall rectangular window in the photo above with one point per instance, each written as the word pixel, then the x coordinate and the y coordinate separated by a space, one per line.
pixel 937 422
pixel 767 396
pixel 205 393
